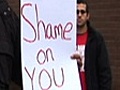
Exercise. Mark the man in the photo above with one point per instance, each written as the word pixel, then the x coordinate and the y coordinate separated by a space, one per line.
pixel 10 61
pixel 92 56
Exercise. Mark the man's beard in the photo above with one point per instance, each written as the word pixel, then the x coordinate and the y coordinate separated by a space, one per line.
pixel 81 26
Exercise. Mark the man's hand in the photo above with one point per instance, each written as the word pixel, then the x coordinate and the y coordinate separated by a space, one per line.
pixel 77 57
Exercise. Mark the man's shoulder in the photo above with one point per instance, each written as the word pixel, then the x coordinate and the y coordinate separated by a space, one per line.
pixel 95 33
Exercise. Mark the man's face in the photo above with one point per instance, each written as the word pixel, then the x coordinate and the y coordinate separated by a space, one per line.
pixel 82 15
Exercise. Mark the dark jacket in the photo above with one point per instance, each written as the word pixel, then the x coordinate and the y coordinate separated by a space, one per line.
pixel 97 67
pixel 10 59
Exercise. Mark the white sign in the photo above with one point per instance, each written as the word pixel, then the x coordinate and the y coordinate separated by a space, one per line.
pixel 48 38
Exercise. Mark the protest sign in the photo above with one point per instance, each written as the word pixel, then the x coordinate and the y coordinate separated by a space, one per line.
pixel 48 38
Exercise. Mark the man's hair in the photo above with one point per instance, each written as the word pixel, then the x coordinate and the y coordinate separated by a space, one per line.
pixel 84 2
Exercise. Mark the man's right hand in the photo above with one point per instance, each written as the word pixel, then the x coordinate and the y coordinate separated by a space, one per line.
pixel 77 57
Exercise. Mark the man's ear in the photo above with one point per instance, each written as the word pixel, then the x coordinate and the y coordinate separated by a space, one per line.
pixel 88 16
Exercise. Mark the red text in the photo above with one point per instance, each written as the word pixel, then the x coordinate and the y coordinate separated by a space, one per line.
pixel 50 31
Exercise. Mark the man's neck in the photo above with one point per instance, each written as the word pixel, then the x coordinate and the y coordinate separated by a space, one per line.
pixel 82 30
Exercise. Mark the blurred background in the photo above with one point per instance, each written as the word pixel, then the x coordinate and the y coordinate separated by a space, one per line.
pixel 105 17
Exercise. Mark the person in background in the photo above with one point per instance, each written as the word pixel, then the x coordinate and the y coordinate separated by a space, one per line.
pixel 91 53
pixel 10 59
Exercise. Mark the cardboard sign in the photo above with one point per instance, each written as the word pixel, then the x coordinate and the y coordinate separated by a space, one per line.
pixel 48 38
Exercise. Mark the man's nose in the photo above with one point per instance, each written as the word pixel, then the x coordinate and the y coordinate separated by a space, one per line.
pixel 79 14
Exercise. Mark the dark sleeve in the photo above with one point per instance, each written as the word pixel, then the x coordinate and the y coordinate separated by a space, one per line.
pixel 16 70
pixel 6 57
pixel 10 34
pixel 104 72
pixel 6 48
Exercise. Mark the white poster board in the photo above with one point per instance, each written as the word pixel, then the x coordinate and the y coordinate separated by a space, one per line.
pixel 48 38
